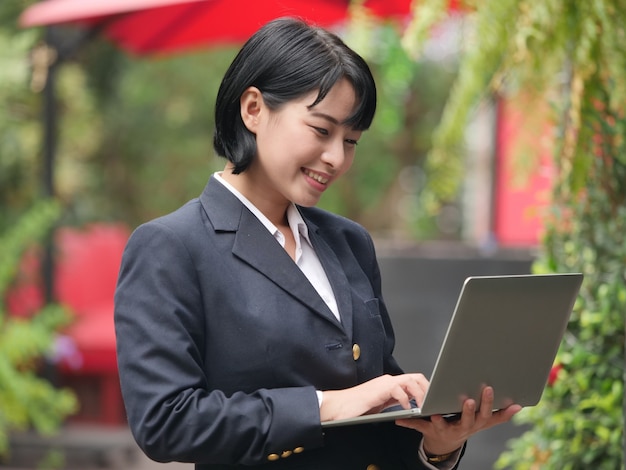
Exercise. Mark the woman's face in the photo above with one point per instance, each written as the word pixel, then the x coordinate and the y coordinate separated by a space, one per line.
pixel 301 151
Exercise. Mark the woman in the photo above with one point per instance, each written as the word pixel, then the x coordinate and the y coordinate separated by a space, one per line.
pixel 248 317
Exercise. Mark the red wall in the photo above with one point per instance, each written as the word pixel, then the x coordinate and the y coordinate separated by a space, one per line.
pixel 523 173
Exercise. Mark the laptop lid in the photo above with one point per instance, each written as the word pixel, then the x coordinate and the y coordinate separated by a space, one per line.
pixel 505 332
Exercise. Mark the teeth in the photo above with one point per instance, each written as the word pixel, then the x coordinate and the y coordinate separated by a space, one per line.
pixel 316 177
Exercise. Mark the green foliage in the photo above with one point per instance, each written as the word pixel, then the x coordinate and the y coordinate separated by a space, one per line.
pixel 26 399
pixel 486 49
pixel 155 146
pixel 22 76
pixel 382 188
pixel 571 55
pixel 19 125
pixel 578 423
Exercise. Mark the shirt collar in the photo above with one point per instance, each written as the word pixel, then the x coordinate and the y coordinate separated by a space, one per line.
pixel 294 218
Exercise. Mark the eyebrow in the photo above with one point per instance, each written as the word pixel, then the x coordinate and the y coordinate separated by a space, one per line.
pixel 326 116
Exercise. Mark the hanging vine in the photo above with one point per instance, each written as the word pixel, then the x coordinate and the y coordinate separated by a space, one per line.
pixel 571 55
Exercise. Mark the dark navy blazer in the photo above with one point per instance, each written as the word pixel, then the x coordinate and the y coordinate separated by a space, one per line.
pixel 222 342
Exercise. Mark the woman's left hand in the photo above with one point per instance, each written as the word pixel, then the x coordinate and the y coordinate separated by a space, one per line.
pixel 442 436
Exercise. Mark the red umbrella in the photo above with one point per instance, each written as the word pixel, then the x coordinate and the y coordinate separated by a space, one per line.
pixel 166 26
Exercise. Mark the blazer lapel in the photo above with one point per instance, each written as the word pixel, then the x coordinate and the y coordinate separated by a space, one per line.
pixel 257 247
pixel 336 276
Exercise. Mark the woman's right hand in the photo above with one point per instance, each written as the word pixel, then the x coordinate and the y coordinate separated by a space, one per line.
pixel 373 396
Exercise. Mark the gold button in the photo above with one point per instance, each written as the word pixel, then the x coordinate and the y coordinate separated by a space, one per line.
pixel 373 467
pixel 273 457
pixel 285 454
pixel 298 450
pixel 356 351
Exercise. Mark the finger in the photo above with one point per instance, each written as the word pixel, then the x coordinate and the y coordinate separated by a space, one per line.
pixel 417 424
pixel 468 415
pixel 505 415
pixel 421 380
pixel 417 387
pixel 401 397
pixel 405 387
pixel 486 404
pixel 439 423
pixel 401 392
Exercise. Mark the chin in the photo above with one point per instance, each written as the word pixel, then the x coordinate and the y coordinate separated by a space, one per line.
pixel 307 202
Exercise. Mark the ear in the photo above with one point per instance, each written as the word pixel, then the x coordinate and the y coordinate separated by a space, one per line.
pixel 251 104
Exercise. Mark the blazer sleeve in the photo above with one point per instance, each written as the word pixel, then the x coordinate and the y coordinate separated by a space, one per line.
pixel 171 412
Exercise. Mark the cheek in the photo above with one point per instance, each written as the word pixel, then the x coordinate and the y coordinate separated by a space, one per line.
pixel 348 161
pixel 281 134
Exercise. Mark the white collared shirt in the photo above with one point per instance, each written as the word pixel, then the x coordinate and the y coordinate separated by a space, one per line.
pixel 305 257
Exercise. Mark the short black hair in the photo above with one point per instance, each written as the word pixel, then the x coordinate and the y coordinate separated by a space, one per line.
pixel 286 59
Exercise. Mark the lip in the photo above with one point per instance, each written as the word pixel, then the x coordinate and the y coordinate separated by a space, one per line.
pixel 318 180
pixel 319 177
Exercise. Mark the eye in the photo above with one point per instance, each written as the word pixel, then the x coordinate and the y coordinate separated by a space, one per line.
pixel 321 130
pixel 352 142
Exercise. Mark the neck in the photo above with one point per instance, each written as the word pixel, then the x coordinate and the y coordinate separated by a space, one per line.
pixel 260 197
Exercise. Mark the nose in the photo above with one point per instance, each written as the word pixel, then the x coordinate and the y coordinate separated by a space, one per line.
pixel 334 155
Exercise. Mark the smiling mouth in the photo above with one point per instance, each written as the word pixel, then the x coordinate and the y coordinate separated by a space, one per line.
pixel 316 176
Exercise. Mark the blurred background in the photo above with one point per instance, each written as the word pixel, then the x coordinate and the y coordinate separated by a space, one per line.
pixel 106 121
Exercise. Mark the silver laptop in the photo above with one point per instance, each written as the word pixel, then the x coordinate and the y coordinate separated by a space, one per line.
pixel 505 332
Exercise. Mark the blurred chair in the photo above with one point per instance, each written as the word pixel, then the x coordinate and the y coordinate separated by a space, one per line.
pixel 87 262
pixel 86 275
